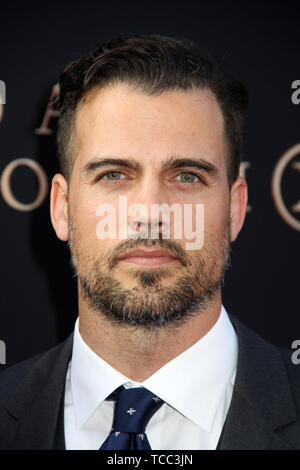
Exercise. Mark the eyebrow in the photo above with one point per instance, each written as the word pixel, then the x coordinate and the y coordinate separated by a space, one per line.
pixel 171 162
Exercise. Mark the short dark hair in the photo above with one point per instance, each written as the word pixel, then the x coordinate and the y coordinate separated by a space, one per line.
pixel 155 64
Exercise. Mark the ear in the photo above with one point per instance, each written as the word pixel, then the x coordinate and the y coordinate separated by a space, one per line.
pixel 238 206
pixel 59 207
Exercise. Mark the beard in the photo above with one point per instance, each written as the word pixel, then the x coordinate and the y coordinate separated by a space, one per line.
pixel 149 304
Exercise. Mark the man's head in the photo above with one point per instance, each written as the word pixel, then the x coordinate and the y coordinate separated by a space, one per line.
pixel 157 106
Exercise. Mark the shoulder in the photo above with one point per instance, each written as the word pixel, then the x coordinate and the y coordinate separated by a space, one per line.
pixel 293 373
pixel 30 396
pixel 35 372
pixel 263 353
pixel 269 380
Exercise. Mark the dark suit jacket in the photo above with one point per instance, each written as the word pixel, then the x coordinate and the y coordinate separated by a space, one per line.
pixel 264 412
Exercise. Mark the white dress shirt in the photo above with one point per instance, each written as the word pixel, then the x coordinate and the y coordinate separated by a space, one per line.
pixel 196 387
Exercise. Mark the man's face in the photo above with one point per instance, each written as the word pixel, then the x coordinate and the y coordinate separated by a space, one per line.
pixel 121 123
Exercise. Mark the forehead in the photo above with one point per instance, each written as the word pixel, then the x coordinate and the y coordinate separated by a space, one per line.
pixel 122 121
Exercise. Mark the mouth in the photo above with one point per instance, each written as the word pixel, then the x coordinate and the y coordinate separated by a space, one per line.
pixel 148 257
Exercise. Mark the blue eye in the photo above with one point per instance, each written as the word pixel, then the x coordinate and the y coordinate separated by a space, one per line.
pixel 112 173
pixel 185 180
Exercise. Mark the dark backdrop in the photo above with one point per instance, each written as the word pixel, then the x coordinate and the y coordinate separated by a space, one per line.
pixel 256 41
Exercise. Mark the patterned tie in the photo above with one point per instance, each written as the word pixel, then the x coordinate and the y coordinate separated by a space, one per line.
pixel 134 408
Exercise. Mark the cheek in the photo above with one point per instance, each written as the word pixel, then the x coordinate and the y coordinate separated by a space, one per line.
pixel 83 214
pixel 216 216
pixel 94 224
pixel 86 213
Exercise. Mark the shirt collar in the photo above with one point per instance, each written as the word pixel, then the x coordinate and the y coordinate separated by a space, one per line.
pixel 193 383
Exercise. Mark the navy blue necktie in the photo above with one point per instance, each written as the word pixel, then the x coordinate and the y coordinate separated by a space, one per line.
pixel 134 408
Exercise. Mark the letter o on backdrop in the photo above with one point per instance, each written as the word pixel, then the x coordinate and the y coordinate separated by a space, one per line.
pixel 276 187
pixel 5 184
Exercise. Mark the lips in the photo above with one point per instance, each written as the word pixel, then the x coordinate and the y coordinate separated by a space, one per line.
pixel 148 254
pixel 148 258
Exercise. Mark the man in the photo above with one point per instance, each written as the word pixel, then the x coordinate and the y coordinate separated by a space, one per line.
pixel 155 361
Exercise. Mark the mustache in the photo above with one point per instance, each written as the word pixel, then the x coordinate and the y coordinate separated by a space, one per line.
pixel 138 243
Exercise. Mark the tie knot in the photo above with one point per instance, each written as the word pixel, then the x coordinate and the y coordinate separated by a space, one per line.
pixel 133 409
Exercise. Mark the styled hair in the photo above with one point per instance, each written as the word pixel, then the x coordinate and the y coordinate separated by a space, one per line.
pixel 154 64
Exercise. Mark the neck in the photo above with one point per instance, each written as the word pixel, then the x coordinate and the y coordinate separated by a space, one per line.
pixel 138 353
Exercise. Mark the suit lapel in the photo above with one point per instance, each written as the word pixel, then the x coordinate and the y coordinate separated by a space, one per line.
pixel 261 400
pixel 41 425
pixel 246 429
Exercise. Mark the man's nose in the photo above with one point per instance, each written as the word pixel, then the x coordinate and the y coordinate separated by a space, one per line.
pixel 144 214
